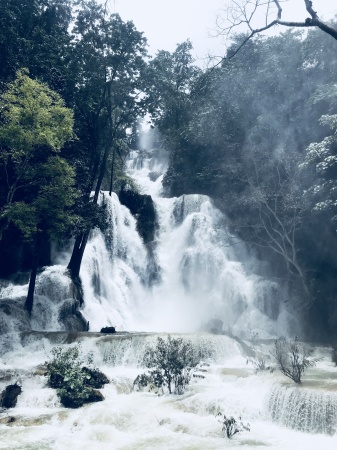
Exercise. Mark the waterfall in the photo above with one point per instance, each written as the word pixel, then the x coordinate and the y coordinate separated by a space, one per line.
pixel 312 411
pixel 203 276
pixel 192 275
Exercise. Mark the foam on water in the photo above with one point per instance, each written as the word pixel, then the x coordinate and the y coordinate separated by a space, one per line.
pixel 131 420
pixel 203 277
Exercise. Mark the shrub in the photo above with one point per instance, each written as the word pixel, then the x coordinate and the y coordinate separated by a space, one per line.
pixel 292 358
pixel 231 426
pixel 172 363
pixel 73 381
pixel 260 362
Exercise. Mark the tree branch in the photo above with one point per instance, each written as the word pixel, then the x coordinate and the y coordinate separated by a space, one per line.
pixel 240 15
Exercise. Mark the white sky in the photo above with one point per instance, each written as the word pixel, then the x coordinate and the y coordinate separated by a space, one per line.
pixel 166 23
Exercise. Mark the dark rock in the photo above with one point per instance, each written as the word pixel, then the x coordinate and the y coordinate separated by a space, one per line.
pixel 55 380
pixel 72 399
pixel 71 316
pixel 108 330
pixel 95 378
pixel 142 208
pixel 95 396
pixel 9 396
pixel 7 419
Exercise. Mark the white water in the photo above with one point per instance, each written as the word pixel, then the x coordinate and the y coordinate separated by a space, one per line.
pixel 132 420
pixel 202 277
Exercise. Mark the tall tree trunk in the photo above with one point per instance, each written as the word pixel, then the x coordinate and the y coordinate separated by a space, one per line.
pixel 75 262
pixel 31 288
pixel 112 171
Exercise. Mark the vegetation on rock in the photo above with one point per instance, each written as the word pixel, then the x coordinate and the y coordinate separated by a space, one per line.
pixel 75 383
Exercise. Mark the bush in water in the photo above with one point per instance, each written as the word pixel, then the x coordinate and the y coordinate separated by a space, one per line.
pixel 231 426
pixel 292 358
pixel 74 382
pixel 172 363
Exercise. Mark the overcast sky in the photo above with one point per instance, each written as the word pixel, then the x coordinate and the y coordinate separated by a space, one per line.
pixel 166 23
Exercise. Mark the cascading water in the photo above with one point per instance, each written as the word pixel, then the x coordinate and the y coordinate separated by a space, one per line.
pixel 201 281
pixel 201 275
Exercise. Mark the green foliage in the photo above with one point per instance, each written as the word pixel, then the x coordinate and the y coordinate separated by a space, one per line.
pixel 23 216
pixel 173 362
pixel 36 125
pixel 73 381
pixel 33 116
pixel 293 358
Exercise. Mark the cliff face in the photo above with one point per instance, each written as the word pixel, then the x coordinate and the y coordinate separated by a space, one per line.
pixel 142 208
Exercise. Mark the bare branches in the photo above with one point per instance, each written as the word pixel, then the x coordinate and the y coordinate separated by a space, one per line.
pixel 246 16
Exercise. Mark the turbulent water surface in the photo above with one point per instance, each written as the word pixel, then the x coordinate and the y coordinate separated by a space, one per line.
pixel 193 278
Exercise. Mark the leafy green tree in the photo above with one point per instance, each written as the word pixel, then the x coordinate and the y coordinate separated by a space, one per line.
pixel 35 120
pixel 40 184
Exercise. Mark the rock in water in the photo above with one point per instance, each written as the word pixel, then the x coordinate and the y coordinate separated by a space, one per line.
pixel 9 396
pixel 108 330
pixel 142 208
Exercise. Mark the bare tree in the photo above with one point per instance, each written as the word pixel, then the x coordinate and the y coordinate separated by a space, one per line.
pixel 276 207
pixel 293 358
pixel 247 15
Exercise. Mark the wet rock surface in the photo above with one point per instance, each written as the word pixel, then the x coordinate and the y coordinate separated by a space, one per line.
pixel 9 396
pixel 142 208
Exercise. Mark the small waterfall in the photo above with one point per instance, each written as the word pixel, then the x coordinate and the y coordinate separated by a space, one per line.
pixel 299 408
pixel 113 268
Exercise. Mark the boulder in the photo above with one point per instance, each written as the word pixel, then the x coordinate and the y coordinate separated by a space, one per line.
pixel 9 396
pixel 142 208
pixel 108 330
pixel 74 399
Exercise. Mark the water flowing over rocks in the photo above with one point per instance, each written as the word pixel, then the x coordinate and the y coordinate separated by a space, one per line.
pixel 187 275
pixel 304 409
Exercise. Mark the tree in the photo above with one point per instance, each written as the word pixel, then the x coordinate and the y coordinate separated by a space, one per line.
pixel 274 210
pixel 35 126
pixel 108 66
pixel 292 358
pixel 321 159
pixel 247 17
pixel 33 118
pixel 34 34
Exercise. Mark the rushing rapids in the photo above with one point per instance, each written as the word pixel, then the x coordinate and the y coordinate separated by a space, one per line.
pixel 193 277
